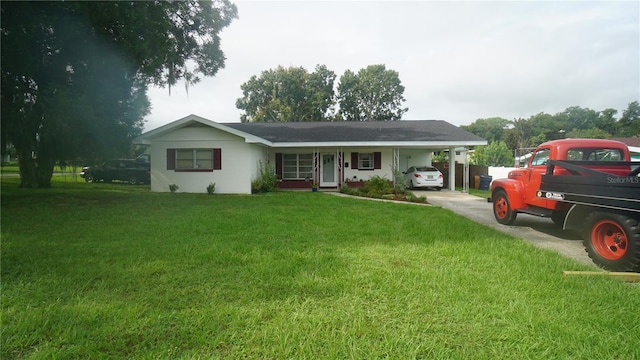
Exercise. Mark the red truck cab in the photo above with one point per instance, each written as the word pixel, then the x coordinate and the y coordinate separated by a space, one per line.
pixel 517 193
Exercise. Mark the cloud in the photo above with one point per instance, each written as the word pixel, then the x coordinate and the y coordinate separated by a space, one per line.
pixel 458 61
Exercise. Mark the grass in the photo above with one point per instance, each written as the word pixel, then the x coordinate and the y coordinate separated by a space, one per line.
pixel 13 168
pixel 477 192
pixel 114 271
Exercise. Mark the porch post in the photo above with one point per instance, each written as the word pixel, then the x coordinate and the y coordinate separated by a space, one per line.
pixel 316 166
pixel 395 163
pixel 465 175
pixel 452 168
pixel 340 167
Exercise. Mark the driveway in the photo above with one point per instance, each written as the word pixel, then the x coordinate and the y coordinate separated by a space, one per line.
pixel 539 231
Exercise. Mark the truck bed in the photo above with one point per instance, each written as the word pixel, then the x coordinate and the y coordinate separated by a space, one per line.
pixel 586 186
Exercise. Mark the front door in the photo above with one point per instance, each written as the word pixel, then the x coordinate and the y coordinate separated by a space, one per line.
pixel 328 170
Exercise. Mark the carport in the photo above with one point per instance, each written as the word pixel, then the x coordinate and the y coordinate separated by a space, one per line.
pixel 424 156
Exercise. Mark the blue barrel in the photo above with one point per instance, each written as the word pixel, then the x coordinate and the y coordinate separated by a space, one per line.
pixel 485 182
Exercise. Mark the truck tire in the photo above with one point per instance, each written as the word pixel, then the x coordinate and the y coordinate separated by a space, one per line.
pixel 612 241
pixel 502 208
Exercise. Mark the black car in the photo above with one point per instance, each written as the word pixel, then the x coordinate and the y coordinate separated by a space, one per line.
pixel 129 170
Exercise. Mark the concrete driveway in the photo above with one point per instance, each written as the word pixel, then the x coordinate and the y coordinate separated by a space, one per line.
pixel 539 231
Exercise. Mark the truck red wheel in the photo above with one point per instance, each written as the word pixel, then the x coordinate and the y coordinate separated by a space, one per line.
pixel 502 209
pixel 609 240
pixel 613 240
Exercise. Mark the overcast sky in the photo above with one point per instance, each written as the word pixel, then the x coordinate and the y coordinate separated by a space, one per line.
pixel 458 61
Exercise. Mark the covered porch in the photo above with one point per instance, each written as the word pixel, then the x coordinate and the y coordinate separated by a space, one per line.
pixel 333 167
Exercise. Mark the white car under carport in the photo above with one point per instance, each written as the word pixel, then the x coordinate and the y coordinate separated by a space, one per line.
pixel 424 177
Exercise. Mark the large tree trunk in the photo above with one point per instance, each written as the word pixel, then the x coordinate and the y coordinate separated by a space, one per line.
pixel 44 171
pixel 34 172
pixel 27 169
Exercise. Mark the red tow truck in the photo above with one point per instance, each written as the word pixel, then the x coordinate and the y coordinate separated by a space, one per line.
pixel 589 185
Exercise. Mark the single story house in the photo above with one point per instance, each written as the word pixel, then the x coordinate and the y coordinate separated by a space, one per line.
pixel 193 152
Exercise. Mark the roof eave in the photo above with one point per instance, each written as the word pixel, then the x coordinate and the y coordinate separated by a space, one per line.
pixel 248 138
pixel 412 144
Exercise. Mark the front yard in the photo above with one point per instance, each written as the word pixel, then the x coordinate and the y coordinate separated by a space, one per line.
pixel 114 271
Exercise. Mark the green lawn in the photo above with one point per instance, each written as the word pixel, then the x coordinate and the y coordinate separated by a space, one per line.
pixel 476 192
pixel 13 168
pixel 114 271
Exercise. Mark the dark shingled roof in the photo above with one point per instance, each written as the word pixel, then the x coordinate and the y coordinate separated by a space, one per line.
pixel 630 141
pixel 365 131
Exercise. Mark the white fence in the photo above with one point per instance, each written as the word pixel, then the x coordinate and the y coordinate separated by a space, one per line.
pixel 500 172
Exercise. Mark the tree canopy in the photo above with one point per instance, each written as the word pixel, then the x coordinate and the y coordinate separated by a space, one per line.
pixel 373 94
pixel 573 122
pixel 629 124
pixel 496 153
pixel 288 95
pixel 490 129
pixel 293 94
pixel 75 74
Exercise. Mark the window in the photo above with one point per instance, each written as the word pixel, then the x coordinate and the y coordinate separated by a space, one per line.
pixel 194 159
pixel 297 166
pixel 541 157
pixel 595 155
pixel 365 161
pixel 426 168
pixel 575 155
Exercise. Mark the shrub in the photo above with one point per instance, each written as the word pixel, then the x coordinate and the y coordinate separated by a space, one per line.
pixel 400 186
pixel 345 189
pixel 173 188
pixel 268 180
pixel 420 199
pixel 377 187
pixel 211 188
pixel 411 197
pixel 256 185
pixel 381 188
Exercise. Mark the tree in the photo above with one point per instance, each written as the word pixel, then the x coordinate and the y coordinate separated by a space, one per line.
pixel 74 74
pixel 546 127
pixel 288 94
pixel 322 100
pixel 519 136
pixel 491 129
pixel 373 94
pixel 577 118
pixel 348 97
pixel 607 121
pixel 629 124
pixel 593 133
pixel 496 153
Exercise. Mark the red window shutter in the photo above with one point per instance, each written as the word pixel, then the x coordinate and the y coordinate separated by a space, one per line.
pixel 354 160
pixel 217 159
pixel 171 159
pixel 279 165
pixel 377 160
